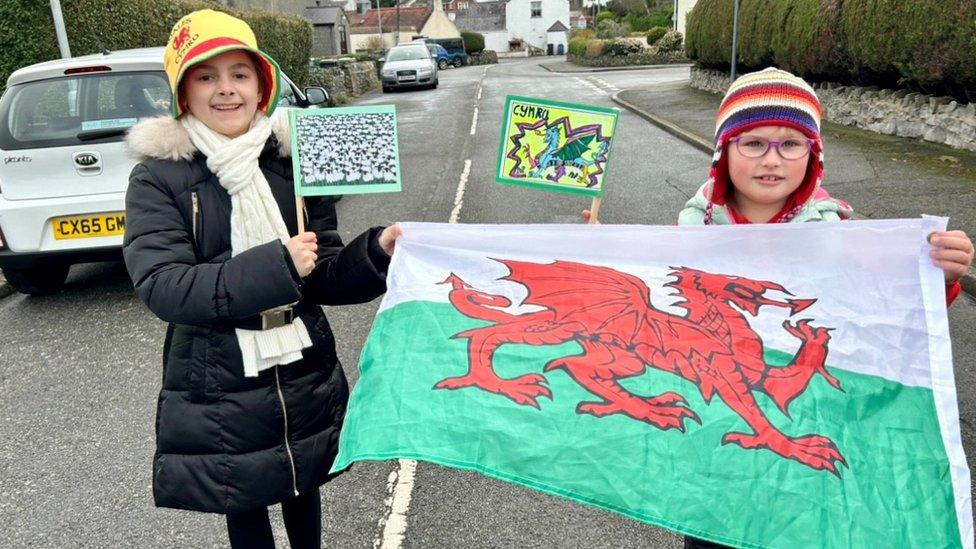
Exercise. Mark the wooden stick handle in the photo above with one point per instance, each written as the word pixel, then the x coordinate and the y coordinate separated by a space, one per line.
pixel 300 210
pixel 595 210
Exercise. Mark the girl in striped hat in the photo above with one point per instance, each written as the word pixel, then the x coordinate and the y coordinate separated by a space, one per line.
pixel 768 166
pixel 768 162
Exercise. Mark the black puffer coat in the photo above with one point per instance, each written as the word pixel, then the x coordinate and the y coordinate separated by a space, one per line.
pixel 226 443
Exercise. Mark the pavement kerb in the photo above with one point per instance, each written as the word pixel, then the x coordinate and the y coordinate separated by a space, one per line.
pixel 968 281
pixel 610 69
pixel 674 129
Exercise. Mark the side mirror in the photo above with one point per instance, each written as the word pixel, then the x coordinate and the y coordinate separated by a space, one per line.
pixel 316 96
pixel 433 55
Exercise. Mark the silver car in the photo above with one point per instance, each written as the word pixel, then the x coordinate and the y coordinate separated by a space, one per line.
pixel 409 66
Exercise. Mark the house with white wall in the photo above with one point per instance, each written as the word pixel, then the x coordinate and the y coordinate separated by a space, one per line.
pixel 681 9
pixel 485 18
pixel 505 22
pixel 530 20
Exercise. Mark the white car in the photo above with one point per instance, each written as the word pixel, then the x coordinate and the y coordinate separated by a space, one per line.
pixel 63 167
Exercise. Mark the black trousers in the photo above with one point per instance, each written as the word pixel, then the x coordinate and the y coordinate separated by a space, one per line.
pixel 695 543
pixel 303 522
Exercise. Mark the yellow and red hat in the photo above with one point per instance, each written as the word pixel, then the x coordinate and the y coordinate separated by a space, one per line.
pixel 205 34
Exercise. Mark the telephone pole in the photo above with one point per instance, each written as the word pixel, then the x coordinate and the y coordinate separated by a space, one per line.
pixel 59 29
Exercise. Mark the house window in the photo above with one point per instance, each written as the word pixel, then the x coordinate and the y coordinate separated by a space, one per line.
pixel 536 9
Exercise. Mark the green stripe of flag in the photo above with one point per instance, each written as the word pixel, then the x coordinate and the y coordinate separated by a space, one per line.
pixel 895 492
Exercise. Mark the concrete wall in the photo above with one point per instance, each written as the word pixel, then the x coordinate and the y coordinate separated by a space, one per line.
pixel 521 24
pixel 496 40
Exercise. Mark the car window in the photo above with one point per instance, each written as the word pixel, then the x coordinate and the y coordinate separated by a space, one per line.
pixel 286 96
pixel 408 54
pixel 52 113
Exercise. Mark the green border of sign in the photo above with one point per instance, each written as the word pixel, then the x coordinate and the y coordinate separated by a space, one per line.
pixel 541 184
pixel 303 190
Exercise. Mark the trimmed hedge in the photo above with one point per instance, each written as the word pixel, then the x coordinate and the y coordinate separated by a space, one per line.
pixel 473 41
pixel 577 46
pixel 927 45
pixel 655 34
pixel 27 30
pixel 24 48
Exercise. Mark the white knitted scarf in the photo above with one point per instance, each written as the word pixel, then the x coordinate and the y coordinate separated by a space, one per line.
pixel 254 220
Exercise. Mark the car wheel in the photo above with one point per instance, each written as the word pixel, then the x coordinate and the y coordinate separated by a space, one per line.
pixel 386 89
pixel 458 62
pixel 42 280
pixel 434 85
pixel 442 64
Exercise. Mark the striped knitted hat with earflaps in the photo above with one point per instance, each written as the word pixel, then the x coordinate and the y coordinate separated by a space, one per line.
pixel 770 97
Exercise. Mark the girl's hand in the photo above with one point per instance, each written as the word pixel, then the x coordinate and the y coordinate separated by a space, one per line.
pixel 388 238
pixel 302 249
pixel 952 252
pixel 585 214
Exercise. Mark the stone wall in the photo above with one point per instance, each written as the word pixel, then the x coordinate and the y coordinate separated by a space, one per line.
pixel 345 80
pixel 891 112
pixel 484 57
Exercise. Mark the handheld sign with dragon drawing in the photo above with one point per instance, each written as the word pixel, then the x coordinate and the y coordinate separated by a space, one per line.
pixel 555 146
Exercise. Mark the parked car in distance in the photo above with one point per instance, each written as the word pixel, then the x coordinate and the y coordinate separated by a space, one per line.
pixel 455 49
pixel 444 57
pixel 63 166
pixel 408 66
pixel 439 54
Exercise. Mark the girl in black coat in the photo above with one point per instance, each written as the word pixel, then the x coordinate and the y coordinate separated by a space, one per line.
pixel 253 395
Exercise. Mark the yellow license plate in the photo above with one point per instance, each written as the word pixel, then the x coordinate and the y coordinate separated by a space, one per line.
pixel 88 226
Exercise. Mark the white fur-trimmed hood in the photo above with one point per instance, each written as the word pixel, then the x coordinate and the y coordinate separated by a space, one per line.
pixel 164 138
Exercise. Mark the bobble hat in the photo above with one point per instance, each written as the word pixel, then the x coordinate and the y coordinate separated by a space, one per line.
pixel 770 97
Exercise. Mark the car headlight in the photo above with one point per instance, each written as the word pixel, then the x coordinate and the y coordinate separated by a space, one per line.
pixel 425 70
pixel 387 72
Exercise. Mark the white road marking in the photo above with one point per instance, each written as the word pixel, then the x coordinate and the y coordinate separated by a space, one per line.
pixel 479 94
pixel 400 486
pixel 459 195
pixel 590 85
pixel 606 84
pixel 400 483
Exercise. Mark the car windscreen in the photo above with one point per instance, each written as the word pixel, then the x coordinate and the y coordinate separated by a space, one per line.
pixel 408 54
pixel 93 108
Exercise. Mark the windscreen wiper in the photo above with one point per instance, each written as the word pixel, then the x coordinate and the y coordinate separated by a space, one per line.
pixel 102 133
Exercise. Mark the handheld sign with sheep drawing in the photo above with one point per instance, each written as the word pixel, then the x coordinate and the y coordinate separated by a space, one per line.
pixel 557 146
pixel 351 150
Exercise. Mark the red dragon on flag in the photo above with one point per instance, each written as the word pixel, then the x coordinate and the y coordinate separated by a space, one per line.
pixel 610 315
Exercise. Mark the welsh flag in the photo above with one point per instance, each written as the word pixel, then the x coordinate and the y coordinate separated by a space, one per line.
pixel 758 386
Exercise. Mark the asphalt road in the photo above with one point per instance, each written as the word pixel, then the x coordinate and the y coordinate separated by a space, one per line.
pixel 79 371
